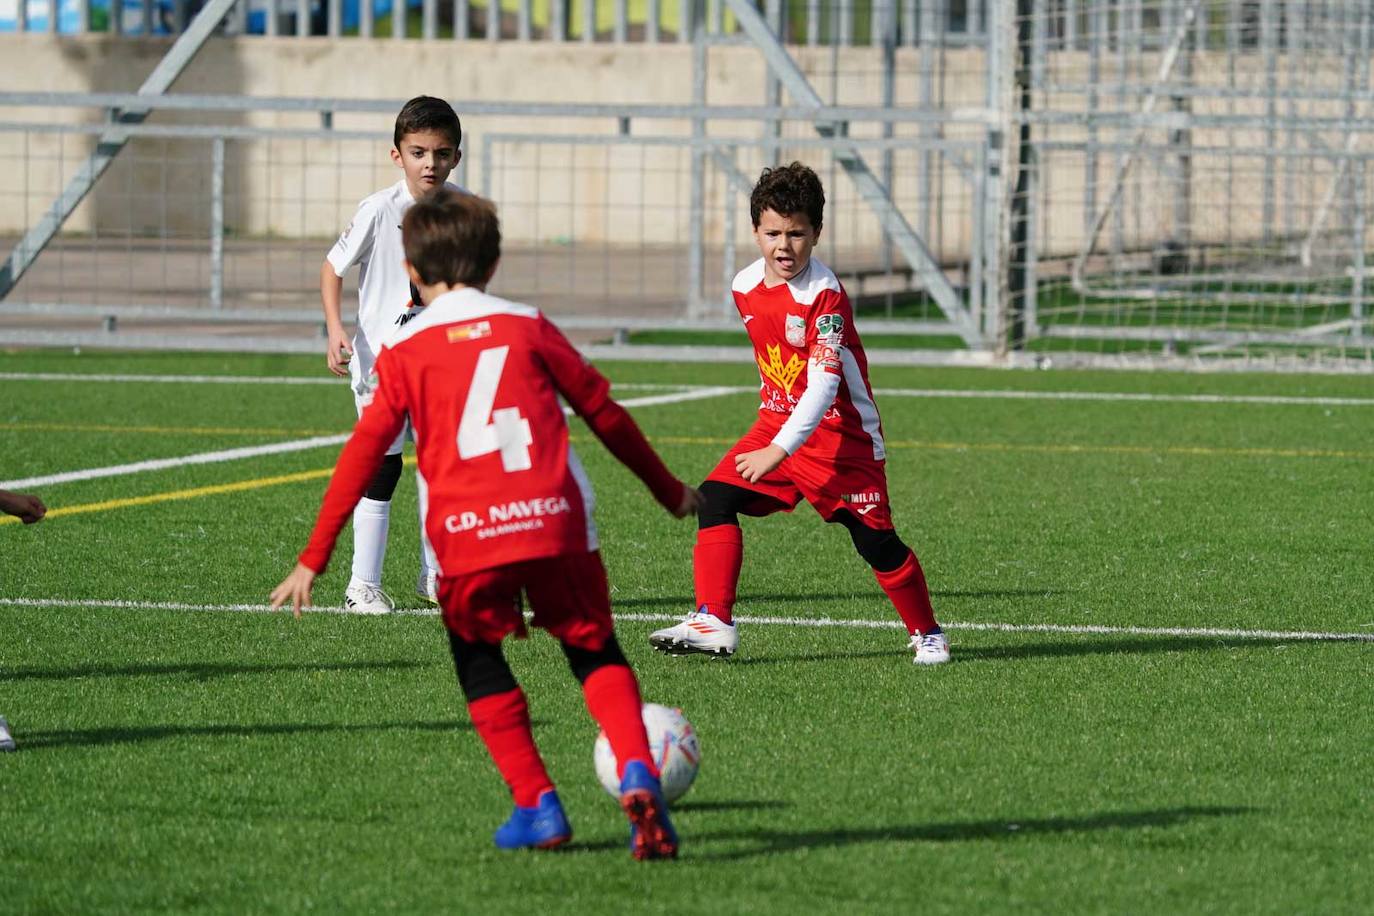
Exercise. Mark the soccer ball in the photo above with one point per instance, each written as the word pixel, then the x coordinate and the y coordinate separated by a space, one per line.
pixel 673 743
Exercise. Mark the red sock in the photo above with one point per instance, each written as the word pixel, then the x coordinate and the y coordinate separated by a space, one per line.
pixel 716 562
pixel 906 589
pixel 503 721
pixel 612 695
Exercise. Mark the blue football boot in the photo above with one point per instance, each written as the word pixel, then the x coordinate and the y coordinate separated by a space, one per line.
pixel 544 826
pixel 651 832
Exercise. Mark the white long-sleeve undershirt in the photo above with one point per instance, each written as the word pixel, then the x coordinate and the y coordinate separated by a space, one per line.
pixel 821 388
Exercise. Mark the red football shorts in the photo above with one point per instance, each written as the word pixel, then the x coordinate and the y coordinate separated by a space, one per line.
pixel 829 484
pixel 568 595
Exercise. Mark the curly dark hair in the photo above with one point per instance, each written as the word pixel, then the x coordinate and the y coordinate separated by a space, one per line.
pixel 425 112
pixel 788 189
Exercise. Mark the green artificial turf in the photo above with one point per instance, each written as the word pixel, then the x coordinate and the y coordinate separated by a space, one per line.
pixel 175 759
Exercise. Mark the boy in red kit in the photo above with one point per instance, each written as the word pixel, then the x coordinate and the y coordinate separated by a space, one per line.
pixel 506 506
pixel 817 435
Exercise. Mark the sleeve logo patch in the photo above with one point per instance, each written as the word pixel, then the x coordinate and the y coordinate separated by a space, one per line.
pixel 471 331
pixel 825 356
pixel 830 325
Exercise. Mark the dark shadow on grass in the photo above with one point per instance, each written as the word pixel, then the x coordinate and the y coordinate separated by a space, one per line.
pixel 875 595
pixel 1076 645
pixel 684 603
pixel 686 807
pixel 195 671
pixel 769 842
pixel 1073 646
pixel 95 737
pixel 759 603
pixel 898 650
pixel 729 805
pixel 577 846
pixel 1001 593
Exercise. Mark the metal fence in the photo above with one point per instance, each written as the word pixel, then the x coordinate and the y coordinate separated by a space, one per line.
pixel 197 227
pixel 1171 182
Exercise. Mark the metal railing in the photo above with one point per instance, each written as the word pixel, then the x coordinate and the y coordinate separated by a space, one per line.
pixel 272 254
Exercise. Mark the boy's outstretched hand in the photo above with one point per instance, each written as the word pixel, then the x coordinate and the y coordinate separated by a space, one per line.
pixel 691 502
pixel 755 465
pixel 295 589
pixel 28 509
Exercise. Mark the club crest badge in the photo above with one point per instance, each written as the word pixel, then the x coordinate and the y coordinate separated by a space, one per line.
pixel 795 330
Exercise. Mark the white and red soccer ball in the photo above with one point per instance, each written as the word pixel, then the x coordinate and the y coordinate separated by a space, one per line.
pixel 673 743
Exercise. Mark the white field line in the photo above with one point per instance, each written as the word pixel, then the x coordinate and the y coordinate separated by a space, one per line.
pixel 1004 394
pixel 989 394
pixel 171 379
pixel 160 464
pixel 810 622
pixel 250 380
pixel 692 393
pixel 295 445
pixel 994 394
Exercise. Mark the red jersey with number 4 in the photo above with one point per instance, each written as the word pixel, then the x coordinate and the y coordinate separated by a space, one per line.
pixel 807 321
pixel 499 482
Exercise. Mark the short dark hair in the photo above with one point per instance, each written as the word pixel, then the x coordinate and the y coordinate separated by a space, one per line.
pixel 425 112
pixel 786 190
pixel 451 237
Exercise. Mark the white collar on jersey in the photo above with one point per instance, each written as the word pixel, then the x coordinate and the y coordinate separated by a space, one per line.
pixel 805 286
pixel 459 305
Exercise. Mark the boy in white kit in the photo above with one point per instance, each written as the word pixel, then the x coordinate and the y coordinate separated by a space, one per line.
pixel 425 147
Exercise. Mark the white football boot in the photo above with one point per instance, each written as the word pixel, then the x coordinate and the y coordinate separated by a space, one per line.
pixel 365 598
pixel 427 587
pixel 932 649
pixel 702 632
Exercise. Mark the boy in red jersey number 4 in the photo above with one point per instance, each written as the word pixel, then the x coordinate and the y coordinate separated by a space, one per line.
pixel 507 508
pixel 817 435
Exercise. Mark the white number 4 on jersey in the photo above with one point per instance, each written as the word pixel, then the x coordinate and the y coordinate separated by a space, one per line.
pixel 482 430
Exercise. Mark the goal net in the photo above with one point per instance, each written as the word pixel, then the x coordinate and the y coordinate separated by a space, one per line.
pixel 1197 182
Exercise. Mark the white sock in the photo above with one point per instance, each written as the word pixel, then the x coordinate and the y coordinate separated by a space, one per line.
pixel 429 562
pixel 370 520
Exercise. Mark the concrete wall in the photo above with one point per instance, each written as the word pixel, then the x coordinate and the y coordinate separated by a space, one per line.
pixel 547 192
pixel 595 194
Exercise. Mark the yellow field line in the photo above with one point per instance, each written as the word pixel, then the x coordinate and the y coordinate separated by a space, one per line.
pixel 195 493
pixel 1191 451
pixel 177 430
pixel 1200 451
